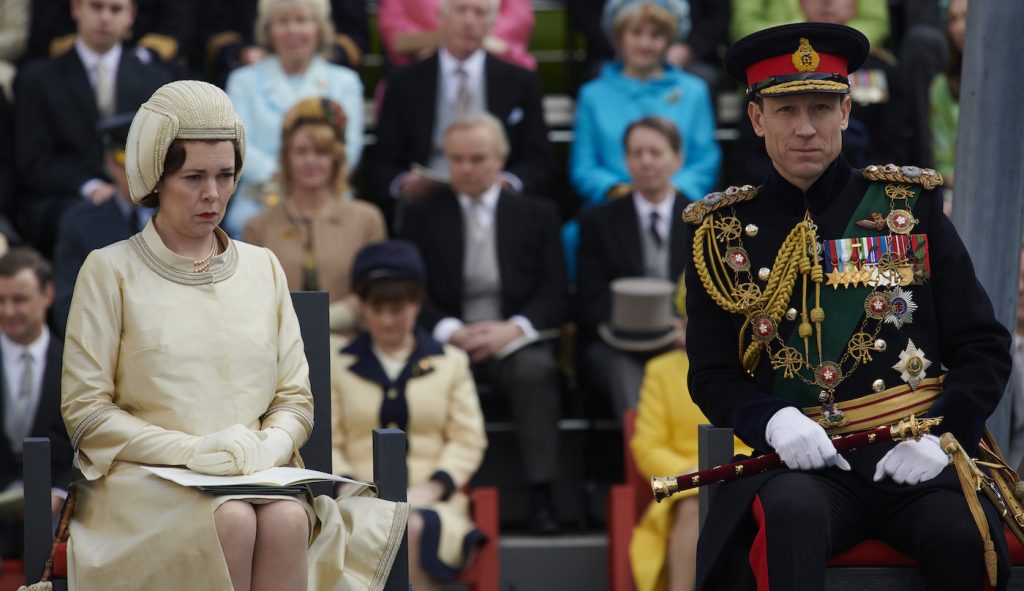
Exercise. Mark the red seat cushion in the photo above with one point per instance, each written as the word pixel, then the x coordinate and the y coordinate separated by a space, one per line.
pixel 872 553
pixel 1016 550
pixel 60 561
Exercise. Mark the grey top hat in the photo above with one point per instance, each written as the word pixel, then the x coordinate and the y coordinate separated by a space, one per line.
pixel 641 315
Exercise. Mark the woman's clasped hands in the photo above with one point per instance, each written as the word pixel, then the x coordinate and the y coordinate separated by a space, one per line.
pixel 238 450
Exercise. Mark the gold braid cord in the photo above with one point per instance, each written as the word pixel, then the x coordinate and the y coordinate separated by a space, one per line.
pixel 698 210
pixel 793 258
pixel 905 175
pixel 972 480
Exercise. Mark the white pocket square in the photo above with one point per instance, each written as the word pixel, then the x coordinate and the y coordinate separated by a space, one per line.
pixel 515 116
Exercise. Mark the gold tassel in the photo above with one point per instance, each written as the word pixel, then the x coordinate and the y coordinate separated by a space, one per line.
pixel 970 480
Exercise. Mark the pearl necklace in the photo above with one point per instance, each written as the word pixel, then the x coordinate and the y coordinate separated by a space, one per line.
pixel 203 264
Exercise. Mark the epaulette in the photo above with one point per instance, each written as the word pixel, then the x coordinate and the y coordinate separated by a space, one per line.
pixel 928 178
pixel 696 211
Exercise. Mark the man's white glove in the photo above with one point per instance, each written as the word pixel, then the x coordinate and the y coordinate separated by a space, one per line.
pixel 911 462
pixel 226 452
pixel 802 443
pixel 275 449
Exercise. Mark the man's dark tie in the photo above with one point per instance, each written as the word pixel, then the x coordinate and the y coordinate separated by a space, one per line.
pixel 655 235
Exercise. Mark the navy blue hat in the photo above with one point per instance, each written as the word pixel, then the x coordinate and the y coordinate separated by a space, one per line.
pixel 797 58
pixel 114 130
pixel 391 259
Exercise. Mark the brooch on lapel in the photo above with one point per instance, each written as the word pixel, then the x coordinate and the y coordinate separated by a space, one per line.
pixel 422 368
pixel 674 96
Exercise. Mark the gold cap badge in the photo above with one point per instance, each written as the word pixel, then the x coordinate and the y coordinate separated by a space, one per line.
pixel 805 59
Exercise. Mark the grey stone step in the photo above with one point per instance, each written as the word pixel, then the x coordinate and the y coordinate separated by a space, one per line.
pixel 563 563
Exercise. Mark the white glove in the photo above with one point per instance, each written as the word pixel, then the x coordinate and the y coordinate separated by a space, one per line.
pixel 275 448
pixel 216 463
pixel 802 443
pixel 911 462
pixel 226 452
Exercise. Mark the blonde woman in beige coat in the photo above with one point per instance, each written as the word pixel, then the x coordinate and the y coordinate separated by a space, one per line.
pixel 317 228
pixel 395 375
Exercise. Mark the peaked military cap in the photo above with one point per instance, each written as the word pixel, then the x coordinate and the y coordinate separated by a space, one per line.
pixel 797 58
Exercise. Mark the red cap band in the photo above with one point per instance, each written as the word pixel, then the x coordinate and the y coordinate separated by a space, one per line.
pixel 781 65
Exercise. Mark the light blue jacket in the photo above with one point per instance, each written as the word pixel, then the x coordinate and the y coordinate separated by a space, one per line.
pixel 262 93
pixel 609 103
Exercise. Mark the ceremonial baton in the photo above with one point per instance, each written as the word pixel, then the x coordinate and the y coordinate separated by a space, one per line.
pixel 909 428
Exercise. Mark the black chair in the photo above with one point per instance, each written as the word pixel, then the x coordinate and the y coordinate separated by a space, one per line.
pixel 389 447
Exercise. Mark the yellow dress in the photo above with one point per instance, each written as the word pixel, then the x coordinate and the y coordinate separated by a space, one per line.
pixel 664 444
pixel 153 347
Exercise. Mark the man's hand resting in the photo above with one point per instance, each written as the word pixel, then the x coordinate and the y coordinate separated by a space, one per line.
pixel 802 443
pixel 911 462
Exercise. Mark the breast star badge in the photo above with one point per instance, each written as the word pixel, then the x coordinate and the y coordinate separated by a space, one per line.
pixel 901 308
pixel 912 365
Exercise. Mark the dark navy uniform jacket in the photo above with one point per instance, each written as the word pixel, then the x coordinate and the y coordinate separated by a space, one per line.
pixel 954 325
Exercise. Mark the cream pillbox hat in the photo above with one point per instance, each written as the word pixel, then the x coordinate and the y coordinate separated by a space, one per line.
pixel 183 110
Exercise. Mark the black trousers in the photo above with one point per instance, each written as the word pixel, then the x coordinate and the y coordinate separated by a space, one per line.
pixel 528 378
pixel 810 516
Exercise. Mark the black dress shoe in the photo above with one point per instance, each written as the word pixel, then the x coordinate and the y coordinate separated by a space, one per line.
pixel 544 524
pixel 542 511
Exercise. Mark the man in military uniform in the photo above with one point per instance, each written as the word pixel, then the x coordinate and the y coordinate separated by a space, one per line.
pixel 827 301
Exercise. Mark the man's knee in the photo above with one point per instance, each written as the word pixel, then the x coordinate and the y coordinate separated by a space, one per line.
pixel 531 366
pixel 794 498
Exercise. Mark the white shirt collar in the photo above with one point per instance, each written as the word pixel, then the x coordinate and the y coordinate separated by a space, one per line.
pixel 37 348
pixel 664 209
pixel 90 58
pixel 474 64
pixel 483 207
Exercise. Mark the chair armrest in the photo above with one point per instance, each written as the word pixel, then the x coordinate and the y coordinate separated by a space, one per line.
pixel 392 478
pixel 622 519
pixel 714 448
pixel 484 573
pixel 38 521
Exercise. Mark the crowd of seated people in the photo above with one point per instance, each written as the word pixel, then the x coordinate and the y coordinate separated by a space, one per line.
pixel 462 168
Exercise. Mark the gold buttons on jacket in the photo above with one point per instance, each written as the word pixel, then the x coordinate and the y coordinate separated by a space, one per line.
pixel 392 394
pixel 392 425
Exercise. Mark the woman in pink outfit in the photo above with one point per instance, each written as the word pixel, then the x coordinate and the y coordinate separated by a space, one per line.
pixel 409 30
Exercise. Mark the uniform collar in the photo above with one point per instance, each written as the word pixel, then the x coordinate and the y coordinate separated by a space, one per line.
pixel 819 195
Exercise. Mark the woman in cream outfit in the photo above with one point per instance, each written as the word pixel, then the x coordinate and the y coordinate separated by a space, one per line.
pixel 183 349
pixel 396 375
pixel 318 227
